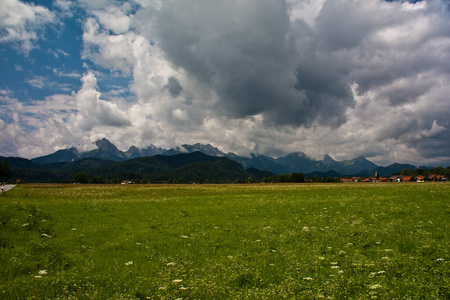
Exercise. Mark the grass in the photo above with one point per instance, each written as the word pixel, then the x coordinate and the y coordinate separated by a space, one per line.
pixel 265 241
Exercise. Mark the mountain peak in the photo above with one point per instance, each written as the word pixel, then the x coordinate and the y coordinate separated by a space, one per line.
pixel 106 145
pixel 328 159
pixel 206 149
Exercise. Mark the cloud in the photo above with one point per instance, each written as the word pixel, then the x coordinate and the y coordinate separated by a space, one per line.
pixel 92 111
pixel 37 82
pixel 45 82
pixel 339 77
pixel 20 23
pixel 108 51
pixel 114 18
pixel 254 59
pixel 173 86
pixel 57 53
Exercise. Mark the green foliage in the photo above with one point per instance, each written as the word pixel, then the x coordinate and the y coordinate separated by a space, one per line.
pixel 81 177
pixel 261 241
pixel 5 171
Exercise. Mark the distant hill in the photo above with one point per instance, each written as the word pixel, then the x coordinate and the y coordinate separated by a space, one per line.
pixel 18 162
pixel 187 167
pixel 65 155
pixel 261 162
pixel 392 169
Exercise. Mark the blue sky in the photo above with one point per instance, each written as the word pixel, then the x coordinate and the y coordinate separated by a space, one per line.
pixel 346 78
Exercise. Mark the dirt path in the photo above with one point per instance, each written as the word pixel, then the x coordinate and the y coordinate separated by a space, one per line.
pixel 7 187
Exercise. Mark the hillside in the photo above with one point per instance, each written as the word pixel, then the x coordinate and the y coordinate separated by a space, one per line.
pixel 188 167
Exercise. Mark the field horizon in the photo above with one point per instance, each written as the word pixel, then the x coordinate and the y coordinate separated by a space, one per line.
pixel 226 241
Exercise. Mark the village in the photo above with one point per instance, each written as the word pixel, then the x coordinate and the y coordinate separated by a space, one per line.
pixel 397 178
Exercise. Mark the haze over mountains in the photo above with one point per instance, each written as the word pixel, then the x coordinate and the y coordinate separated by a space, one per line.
pixel 297 162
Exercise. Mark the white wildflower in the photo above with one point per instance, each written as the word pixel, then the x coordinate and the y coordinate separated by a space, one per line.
pixel 177 280
pixel 307 278
pixel 128 263
pixel 375 286
pixel 171 264
pixel 42 272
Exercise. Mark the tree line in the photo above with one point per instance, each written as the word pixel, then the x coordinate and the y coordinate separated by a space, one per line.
pixel 426 172
pixel 81 177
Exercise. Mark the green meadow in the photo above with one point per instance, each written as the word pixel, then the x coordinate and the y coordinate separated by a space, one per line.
pixel 261 241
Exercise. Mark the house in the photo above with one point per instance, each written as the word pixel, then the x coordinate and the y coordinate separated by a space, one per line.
pixel 126 182
pixel 420 178
pixel 407 179
pixel 397 178
pixel 355 179
pixel 437 177
pixel 345 180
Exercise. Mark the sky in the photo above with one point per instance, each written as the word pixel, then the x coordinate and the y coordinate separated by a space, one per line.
pixel 347 78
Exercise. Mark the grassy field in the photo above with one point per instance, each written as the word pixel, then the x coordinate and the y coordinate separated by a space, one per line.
pixel 265 241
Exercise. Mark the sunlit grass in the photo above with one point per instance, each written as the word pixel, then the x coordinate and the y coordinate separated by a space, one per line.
pixel 304 241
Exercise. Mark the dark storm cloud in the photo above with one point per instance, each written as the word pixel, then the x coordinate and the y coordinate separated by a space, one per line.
pixel 344 24
pixel 254 58
pixel 174 87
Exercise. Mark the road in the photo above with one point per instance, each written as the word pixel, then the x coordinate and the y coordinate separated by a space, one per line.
pixel 7 187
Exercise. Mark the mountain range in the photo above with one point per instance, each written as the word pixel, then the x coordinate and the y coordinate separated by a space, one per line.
pixel 180 168
pixel 297 162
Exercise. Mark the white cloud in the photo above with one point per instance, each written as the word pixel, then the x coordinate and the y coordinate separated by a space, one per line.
pixel 92 111
pixel 21 23
pixel 37 82
pixel 64 5
pixel 109 51
pixel 42 82
pixel 115 18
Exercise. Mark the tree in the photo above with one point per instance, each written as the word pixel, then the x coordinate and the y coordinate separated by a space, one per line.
pixel 80 177
pixel 297 177
pixel 5 171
